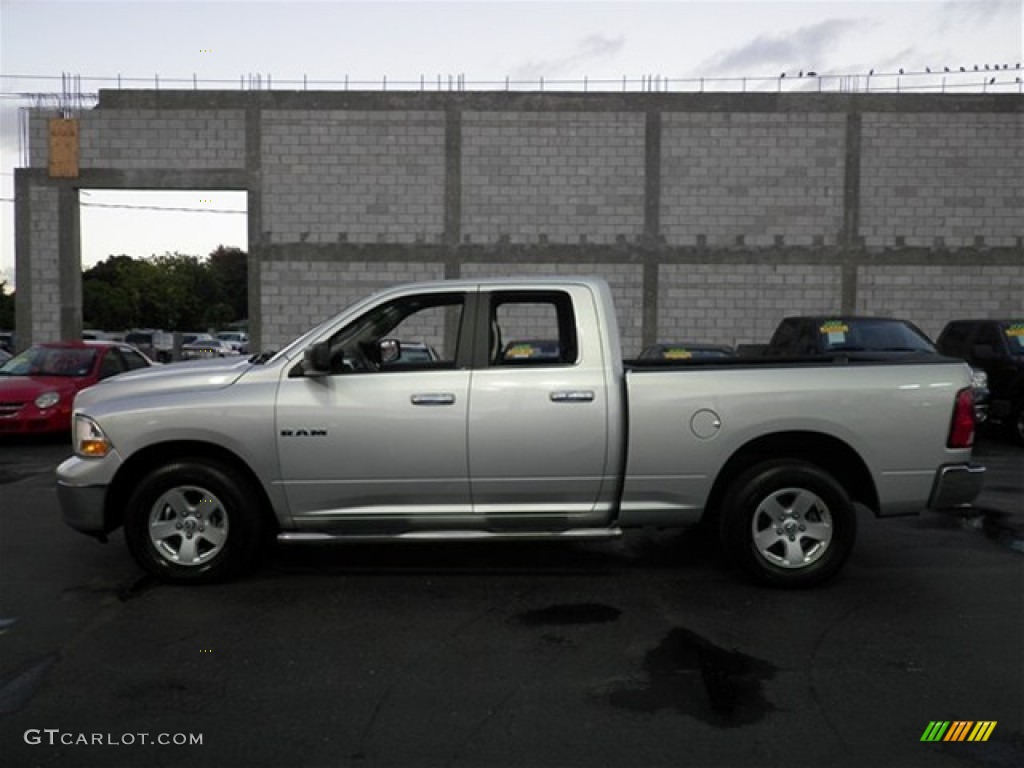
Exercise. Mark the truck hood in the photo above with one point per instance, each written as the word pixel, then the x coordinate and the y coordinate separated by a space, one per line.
pixel 159 380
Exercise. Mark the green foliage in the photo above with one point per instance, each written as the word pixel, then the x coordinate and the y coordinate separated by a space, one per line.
pixel 6 307
pixel 173 292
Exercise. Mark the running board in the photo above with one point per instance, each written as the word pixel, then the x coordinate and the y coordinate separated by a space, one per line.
pixel 572 534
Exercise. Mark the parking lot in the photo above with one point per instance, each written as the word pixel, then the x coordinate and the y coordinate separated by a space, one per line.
pixel 643 652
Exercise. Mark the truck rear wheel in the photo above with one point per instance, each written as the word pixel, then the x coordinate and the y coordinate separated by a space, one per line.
pixel 788 523
pixel 193 522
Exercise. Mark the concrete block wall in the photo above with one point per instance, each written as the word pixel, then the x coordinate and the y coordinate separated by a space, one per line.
pixel 44 270
pixel 942 180
pixel 153 139
pixel 337 176
pixel 711 215
pixel 740 303
pixel 932 295
pixel 749 178
pixel 565 176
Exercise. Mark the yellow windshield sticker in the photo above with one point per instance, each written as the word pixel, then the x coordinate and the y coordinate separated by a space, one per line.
pixel 519 351
pixel 834 326
pixel 678 353
pixel 1017 329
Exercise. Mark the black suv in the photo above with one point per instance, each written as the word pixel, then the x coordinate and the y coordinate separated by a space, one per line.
pixel 996 347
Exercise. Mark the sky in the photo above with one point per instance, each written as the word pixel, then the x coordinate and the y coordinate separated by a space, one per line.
pixel 669 45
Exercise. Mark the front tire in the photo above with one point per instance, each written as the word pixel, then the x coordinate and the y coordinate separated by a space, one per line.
pixel 788 523
pixel 192 522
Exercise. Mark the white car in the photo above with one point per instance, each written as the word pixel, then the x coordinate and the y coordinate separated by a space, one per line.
pixel 205 348
pixel 237 339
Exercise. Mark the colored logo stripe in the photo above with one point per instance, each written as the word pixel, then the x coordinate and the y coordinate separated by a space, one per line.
pixel 982 730
pixel 958 730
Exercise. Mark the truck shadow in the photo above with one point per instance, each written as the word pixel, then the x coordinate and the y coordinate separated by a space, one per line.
pixel 643 550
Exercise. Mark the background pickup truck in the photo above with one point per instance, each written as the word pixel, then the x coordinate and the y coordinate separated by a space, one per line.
pixel 996 347
pixel 341 437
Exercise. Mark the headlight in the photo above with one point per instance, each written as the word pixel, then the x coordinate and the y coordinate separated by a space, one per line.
pixel 47 400
pixel 90 440
pixel 979 379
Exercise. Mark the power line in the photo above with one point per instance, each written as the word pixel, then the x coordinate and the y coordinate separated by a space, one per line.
pixel 160 208
pixel 147 207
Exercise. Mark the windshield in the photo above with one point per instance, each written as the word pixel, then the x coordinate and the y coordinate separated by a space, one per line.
pixel 873 335
pixel 50 361
pixel 1015 337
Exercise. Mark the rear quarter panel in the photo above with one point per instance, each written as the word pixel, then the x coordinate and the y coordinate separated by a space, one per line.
pixel 895 417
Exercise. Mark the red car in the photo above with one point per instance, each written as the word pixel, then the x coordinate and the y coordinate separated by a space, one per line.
pixel 38 386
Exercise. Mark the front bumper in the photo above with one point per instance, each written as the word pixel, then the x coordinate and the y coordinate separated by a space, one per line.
pixel 956 485
pixel 83 508
pixel 82 486
pixel 32 421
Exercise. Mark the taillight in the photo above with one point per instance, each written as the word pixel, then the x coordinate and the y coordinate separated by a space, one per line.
pixel 961 431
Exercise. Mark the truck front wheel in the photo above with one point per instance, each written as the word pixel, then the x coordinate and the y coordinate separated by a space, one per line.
pixel 192 523
pixel 788 523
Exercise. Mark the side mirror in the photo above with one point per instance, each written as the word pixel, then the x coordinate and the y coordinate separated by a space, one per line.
pixel 317 359
pixel 389 350
pixel 984 352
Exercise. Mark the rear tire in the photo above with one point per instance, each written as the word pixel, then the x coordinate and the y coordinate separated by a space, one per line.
pixel 194 522
pixel 788 523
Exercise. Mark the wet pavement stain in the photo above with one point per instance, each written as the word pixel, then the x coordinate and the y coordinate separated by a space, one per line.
pixel 699 679
pixel 569 614
pixel 1001 527
pixel 17 691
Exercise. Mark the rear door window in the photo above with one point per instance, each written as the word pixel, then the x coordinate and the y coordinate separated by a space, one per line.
pixel 534 328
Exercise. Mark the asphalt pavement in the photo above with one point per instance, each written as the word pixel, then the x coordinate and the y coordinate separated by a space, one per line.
pixel 648 651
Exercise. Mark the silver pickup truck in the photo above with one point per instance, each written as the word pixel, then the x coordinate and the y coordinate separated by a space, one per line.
pixel 521 422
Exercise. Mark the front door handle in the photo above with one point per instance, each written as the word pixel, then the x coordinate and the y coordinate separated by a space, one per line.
pixel 573 396
pixel 433 398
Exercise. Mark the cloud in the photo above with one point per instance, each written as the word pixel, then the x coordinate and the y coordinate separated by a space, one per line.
pixel 590 51
pixel 805 47
pixel 955 13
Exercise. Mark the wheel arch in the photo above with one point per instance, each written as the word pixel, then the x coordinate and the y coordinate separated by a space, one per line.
pixel 823 451
pixel 142 462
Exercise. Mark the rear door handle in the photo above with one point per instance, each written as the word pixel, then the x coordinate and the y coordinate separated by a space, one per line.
pixel 573 396
pixel 433 398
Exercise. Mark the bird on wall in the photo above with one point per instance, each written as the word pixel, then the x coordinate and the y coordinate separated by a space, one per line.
pixel 901 70
pixel 946 68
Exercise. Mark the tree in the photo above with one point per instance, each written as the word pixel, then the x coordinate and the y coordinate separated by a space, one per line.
pixel 174 292
pixel 6 307
pixel 229 268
